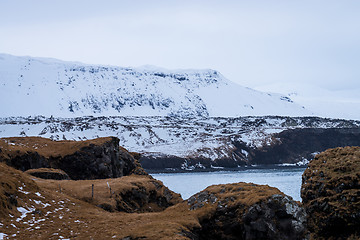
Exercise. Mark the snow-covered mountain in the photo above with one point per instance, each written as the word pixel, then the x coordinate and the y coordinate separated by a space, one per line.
pixel 37 86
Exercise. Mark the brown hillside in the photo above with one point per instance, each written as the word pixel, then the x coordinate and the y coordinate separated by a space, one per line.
pixel 35 209
pixel 16 188
pixel 128 194
pixel 43 212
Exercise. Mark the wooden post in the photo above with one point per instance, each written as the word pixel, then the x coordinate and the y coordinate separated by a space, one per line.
pixel 92 191
pixel 109 189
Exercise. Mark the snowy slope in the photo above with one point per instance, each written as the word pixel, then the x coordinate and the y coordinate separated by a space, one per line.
pixel 36 86
pixel 210 137
pixel 340 103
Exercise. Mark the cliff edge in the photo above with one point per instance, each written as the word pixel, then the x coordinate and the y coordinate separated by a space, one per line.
pixel 91 159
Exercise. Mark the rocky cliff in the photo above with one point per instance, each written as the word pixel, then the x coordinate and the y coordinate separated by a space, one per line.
pixel 294 145
pixel 91 159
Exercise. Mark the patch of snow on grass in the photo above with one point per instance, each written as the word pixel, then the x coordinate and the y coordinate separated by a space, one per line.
pixel 22 191
pixel 24 212
pixel 3 236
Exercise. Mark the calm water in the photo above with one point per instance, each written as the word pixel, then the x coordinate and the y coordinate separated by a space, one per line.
pixel 286 180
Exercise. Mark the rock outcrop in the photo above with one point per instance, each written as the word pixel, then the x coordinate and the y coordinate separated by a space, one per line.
pixel 148 196
pixel 90 159
pixel 48 173
pixel 247 211
pixel 331 194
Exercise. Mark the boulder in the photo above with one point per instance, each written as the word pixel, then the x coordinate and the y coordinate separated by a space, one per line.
pixel 331 194
pixel 91 159
pixel 48 173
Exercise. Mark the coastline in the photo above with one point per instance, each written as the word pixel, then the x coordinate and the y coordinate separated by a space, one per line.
pixel 224 169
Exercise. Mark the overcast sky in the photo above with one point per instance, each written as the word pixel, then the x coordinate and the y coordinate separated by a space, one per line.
pixel 253 43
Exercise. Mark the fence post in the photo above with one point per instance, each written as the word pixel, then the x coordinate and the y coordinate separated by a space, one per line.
pixel 92 191
pixel 109 189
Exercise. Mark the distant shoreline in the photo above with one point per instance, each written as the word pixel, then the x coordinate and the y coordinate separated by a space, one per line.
pixel 267 166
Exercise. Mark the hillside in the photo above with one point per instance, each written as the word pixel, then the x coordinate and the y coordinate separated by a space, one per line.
pixel 37 86
pixel 200 143
pixel 141 207
pixel 33 208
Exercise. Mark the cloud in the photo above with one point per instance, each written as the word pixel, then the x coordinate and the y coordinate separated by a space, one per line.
pixel 253 43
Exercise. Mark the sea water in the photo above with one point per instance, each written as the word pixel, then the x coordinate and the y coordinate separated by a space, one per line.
pixel 287 180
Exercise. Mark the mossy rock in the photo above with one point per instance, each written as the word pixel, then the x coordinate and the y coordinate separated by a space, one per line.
pixel 331 193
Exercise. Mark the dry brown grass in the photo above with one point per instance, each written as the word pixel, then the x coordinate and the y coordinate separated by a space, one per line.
pixel 53 214
pixel 82 190
pixel 66 214
pixel 13 187
pixel 66 208
pixel 14 146
pixel 45 170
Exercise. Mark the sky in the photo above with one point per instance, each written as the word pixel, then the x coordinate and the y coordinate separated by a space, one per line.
pixel 258 44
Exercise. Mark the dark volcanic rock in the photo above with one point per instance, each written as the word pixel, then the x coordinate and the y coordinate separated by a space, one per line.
pixel 49 173
pixel 91 159
pixel 295 144
pixel 162 161
pixel 247 211
pixel 288 146
pixel 131 162
pixel 331 194
pixel 145 195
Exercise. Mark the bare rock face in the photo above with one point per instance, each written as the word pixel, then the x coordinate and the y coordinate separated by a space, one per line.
pixel 92 159
pixel 49 173
pixel 247 211
pixel 331 194
pixel 145 196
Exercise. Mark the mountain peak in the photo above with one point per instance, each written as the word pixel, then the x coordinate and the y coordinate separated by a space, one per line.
pixel 40 86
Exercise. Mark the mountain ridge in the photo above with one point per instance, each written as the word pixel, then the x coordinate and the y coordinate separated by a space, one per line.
pixel 41 86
